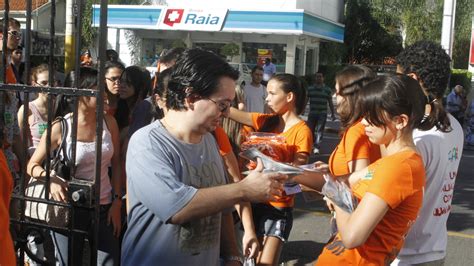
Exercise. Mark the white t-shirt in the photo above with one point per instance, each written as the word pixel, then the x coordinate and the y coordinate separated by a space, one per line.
pixel 255 98
pixel 441 153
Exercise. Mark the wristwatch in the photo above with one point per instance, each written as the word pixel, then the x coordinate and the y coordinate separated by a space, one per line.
pixel 234 258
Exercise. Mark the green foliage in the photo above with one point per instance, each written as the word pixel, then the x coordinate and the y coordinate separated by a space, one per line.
pixel 88 32
pixel 331 53
pixel 230 49
pixel 365 39
pixel 462 33
pixel 178 43
pixel 461 77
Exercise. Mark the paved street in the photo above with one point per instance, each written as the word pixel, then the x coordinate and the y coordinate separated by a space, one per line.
pixel 311 219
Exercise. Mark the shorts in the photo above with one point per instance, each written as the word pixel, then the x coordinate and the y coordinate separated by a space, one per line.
pixel 272 221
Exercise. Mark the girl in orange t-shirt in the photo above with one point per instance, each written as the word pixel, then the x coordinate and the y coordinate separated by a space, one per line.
pixel 389 191
pixel 354 152
pixel 287 98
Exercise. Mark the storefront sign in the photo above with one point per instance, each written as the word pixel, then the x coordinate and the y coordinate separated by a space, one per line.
pixel 192 19
pixel 263 54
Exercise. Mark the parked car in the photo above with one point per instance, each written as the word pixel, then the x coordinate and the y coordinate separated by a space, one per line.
pixel 245 71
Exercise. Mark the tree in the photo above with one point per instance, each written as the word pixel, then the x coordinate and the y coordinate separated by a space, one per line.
pixel 462 33
pixel 230 50
pixel 367 42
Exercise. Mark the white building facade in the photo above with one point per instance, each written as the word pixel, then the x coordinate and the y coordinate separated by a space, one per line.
pixel 289 31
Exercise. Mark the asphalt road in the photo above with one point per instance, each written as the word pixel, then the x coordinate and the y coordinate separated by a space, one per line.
pixel 311 218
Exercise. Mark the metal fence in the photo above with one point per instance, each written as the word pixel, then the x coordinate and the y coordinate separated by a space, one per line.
pixel 22 226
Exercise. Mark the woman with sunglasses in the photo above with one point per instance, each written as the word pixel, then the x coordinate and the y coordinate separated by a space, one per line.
pixel 38 109
pixel 286 98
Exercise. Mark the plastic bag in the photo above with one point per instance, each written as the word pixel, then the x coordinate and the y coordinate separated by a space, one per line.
pixel 270 144
pixel 339 193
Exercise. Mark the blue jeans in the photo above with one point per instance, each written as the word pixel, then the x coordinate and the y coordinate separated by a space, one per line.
pixel 317 121
pixel 108 246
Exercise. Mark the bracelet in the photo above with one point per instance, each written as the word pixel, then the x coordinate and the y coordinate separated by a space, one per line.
pixel 234 258
pixel 115 196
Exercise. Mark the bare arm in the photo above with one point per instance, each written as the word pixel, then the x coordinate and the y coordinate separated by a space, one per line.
pixel 114 215
pixel 20 119
pixel 228 240
pixel 241 116
pixel 357 165
pixel 301 158
pixel 34 168
pixel 355 228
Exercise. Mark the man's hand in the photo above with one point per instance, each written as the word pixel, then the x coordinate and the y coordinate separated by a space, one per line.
pixel 261 187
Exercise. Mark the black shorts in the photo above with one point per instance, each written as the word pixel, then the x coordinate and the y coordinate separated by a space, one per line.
pixel 272 221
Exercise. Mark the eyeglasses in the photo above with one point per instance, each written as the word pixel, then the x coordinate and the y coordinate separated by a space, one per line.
pixel 223 106
pixel 42 83
pixel 15 33
pixel 114 79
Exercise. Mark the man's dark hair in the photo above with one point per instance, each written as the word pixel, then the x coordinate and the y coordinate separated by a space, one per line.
pixel 170 55
pixel 197 72
pixel 112 55
pixel 431 65
pixel 11 22
pixel 113 64
pixel 257 67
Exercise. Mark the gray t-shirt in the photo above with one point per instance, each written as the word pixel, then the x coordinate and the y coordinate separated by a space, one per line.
pixel 163 175
pixel 255 98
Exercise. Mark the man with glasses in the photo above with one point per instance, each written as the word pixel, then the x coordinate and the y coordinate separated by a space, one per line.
pixel 179 200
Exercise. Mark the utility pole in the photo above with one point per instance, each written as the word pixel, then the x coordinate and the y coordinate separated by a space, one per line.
pixel 69 36
pixel 447 31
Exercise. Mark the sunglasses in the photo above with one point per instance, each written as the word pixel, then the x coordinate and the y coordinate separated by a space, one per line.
pixel 42 83
pixel 114 79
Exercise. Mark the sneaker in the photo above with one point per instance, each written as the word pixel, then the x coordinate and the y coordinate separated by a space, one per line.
pixel 315 151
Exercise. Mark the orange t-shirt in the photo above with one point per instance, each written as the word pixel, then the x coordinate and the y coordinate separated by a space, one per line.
pixel 6 187
pixel 354 145
pixel 298 139
pixel 398 180
pixel 10 78
pixel 222 141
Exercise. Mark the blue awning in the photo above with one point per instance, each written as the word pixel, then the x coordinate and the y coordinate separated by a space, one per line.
pixel 294 22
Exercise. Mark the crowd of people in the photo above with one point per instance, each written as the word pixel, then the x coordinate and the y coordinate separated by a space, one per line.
pixel 172 185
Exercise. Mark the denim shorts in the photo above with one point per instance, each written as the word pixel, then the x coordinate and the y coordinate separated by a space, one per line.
pixel 272 221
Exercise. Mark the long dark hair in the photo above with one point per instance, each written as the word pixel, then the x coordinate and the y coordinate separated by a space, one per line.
pixel 139 79
pixel 288 83
pixel 388 96
pixel 350 80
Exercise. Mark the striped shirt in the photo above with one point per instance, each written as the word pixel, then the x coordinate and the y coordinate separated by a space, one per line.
pixel 318 99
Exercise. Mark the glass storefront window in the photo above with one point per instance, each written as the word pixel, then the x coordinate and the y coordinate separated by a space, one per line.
pixel 250 54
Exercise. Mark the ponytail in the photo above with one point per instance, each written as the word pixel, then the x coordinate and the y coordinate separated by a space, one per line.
pixel 435 117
